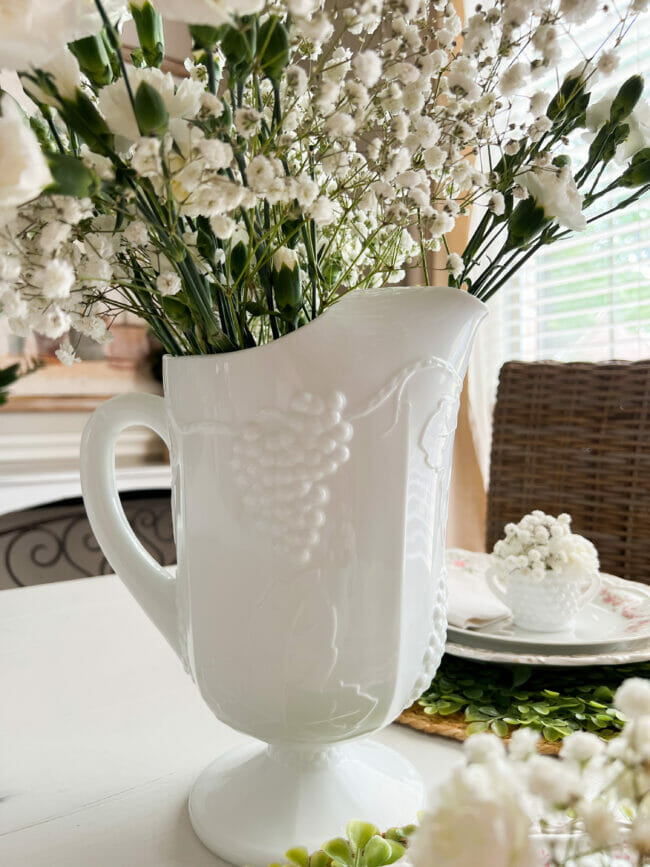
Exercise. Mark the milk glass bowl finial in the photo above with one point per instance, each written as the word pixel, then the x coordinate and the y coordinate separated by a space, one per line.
pixel 543 572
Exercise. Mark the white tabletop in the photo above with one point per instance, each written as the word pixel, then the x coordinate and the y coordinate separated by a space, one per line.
pixel 102 734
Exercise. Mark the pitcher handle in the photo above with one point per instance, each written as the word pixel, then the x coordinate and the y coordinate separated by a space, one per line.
pixel 150 583
pixel 495 586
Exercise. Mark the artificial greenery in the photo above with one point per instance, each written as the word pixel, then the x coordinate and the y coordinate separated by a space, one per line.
pixel 364 846
pixel 553 701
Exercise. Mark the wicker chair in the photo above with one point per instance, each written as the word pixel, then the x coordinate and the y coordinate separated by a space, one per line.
pixel 576 438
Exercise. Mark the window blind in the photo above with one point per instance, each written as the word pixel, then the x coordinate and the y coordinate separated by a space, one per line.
pixel 587 298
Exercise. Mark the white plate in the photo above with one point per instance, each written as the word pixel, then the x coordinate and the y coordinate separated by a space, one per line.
pixel 639 653
pixel 618 618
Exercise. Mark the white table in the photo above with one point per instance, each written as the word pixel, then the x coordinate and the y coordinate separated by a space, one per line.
pixel 102 734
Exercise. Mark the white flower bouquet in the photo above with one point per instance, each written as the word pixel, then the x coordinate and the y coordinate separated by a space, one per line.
pixel 310 151
pixel 541 545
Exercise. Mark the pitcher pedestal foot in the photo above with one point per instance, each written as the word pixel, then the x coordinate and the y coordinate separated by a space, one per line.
pixel 255 802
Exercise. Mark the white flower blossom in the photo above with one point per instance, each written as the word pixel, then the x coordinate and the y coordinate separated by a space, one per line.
pixel 578 11
pixel 608 62
pixel 513 78
pixel 223 226
pixel 56 279
pixel 66 354
pixel 367 66
pixel 557 784
pixel 523 744
pixel 539 102
pixel 633 698
pixel 541 544
pixel 640 835
pixel 321 211
pixel 638 122
pixel 23 169
pixel 478 818
pixel 145 158
pixel 210 12
pixel 247 121
pixel 182 101
pixel 496 203
pixel 455 264
pixel 168 283
pixel 555 191
pixel 581 747
pixel 539 128
pixel 483 747
pixel 285 257
pixel 600 823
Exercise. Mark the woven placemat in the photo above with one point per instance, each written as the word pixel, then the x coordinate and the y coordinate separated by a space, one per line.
pixel 454 726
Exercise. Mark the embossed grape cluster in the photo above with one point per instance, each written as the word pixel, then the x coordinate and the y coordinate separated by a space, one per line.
pixel 281 461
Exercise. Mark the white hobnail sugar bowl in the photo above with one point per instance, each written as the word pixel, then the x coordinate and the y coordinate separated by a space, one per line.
pixel 548 604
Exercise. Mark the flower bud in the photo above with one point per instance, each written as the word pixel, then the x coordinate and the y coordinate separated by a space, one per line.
pixel 94 62
pixel 527 220
pixel 148 24
pixel 204 36
pixel 626 98
pixel 637 174
pixel 151 114
pixel 286 283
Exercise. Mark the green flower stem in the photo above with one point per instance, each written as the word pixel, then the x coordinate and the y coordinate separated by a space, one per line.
pixel 209 65
pixel 114 41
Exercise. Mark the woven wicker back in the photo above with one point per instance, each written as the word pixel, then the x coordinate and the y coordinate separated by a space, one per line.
pixel 576 438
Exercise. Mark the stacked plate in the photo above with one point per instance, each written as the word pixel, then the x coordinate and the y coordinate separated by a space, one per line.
pixel 613 629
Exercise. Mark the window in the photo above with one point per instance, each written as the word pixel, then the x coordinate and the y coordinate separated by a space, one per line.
pixel 587 298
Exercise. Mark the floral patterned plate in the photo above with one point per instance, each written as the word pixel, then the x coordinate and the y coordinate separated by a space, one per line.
pixel 618 618
pixel 638 653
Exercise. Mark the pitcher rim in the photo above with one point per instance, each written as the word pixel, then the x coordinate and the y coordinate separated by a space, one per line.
pixel 366 293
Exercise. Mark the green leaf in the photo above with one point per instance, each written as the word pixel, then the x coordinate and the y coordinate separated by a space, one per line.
pixel 81 116
pixel 339 850
pixel 521 674
pixel 206 243
pixel 397 851
pixel 541 707
pixel 177 311
pixel 552 734
pixel 71 177
pixel 273 42
pixel 238 261
pixel 298 855
pixel 489 710
pixel 377 852
pixel 359 833
pixel 475 728
pixel 319 859
pixel 446 708
pixel 474 714
pixel 499 728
